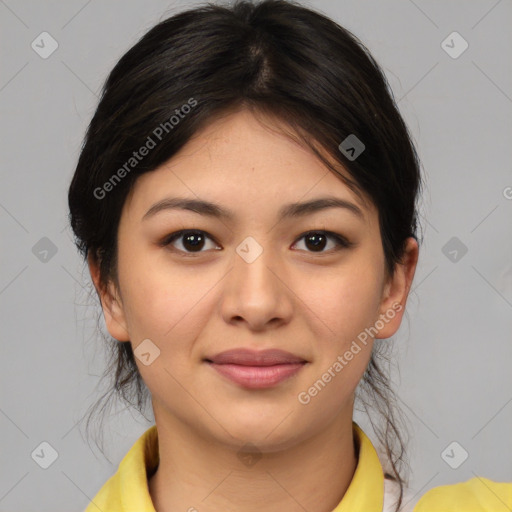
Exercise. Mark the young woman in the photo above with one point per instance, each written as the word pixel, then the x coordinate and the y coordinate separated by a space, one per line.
pixel 246 201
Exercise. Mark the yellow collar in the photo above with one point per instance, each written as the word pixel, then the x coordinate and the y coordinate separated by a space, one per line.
pixel 366 490
pixel 127 490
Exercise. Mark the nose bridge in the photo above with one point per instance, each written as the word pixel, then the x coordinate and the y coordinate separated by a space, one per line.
pixel 252 262
pixel 255 292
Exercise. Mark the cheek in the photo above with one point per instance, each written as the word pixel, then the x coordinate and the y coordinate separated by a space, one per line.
pixel 169 310
pixel 341 307
pixel 346 307
pixel 164 304
pixel 343 303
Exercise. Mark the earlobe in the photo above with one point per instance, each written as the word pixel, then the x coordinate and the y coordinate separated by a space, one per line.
pixel 111 305
pixel 397 290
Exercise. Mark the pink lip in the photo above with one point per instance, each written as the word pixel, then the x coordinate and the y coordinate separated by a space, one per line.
pixel 256 369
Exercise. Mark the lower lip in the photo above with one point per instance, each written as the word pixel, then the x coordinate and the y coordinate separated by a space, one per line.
pixel 257 377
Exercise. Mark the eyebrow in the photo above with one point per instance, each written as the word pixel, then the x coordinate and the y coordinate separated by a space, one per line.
pixel 287 211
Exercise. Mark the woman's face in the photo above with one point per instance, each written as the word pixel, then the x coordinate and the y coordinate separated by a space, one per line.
pixel 252 280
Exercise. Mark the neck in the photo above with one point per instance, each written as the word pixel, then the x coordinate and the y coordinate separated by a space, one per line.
pixel 205 475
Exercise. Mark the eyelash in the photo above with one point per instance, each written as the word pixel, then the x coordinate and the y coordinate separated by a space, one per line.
pixel 342 243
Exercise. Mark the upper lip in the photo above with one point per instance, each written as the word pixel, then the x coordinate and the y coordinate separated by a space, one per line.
pixel 247 357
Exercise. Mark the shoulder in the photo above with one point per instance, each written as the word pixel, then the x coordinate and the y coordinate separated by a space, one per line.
pixel 475 495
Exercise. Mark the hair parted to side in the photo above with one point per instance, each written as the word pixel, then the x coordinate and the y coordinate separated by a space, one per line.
pixel 276 58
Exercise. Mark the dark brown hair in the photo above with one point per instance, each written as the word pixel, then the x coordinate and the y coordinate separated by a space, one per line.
pixel 275 57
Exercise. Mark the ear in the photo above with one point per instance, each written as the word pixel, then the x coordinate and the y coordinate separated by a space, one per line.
pixel 396 291
pixel 110 302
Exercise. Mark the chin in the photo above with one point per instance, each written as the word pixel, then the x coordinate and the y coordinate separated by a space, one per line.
pixel 265 433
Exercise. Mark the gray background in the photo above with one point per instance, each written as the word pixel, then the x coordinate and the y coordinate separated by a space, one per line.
pixel 454 348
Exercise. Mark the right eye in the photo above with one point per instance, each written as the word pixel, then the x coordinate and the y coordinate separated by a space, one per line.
pixel 191 241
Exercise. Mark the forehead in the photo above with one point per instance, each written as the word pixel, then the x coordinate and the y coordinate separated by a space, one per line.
pixel 252 162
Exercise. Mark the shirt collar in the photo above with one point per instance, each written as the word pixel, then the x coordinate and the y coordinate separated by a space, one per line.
pixel 366 490
pixel 128 487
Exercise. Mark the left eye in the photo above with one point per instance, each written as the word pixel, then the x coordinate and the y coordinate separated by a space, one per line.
pixel 192 241
pixel 317 240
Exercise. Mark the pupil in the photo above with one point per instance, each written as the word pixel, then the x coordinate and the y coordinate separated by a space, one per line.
pixel 315 239
pixel 189 239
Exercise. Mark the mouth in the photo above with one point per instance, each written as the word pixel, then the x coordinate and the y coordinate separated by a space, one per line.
pixel 256 369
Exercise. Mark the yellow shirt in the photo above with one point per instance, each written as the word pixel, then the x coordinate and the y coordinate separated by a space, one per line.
pixel 127 490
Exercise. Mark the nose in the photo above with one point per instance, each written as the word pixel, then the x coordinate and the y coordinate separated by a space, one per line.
pixel 257 289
